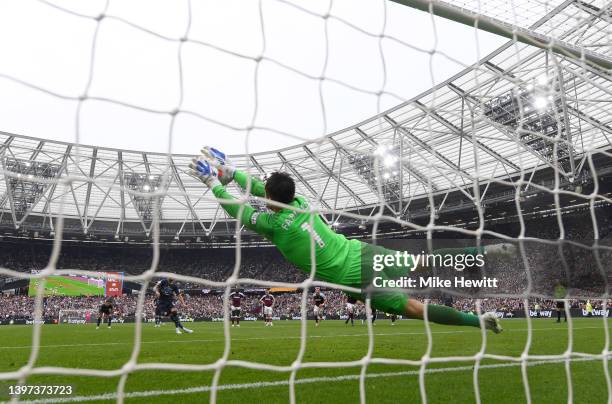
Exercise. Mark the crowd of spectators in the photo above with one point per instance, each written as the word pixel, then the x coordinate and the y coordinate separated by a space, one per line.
pixel 196 306
pixel 537 269
pixel 215 264
pixel 287 305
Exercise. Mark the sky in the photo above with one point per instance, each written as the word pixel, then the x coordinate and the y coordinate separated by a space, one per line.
pixel 245 63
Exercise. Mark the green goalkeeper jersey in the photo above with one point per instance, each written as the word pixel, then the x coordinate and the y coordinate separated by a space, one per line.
pixel 291 232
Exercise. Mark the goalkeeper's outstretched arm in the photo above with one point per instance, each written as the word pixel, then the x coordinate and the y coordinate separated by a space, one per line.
pixel 250 218
pixel 228 172
pixel 258 188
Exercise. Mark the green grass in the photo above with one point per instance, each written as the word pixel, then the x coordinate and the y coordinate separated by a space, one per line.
pixel 59 285
pixel 82 346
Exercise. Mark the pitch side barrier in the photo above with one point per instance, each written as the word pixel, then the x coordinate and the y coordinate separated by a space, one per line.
pixel 544 313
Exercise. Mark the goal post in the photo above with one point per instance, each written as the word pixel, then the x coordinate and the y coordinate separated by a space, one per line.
pixel 498 27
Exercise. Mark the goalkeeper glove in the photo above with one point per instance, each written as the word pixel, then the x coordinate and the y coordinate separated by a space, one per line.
pixel 205 172
pixel 223 165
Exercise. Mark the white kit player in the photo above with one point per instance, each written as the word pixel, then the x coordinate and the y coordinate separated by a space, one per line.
pixel 319 302
pixel 350 310
pixel 236 299
pixel 267 301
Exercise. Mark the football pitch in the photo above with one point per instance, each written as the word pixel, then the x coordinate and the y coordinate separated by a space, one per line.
pixel 82 346
pixel 65 286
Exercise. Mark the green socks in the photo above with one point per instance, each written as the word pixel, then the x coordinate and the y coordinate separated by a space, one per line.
pixel 449 316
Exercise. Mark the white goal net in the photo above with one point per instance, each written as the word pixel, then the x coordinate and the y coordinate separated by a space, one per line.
pixel 529 121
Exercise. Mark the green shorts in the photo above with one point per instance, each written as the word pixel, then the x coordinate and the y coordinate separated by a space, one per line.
pixel 361 274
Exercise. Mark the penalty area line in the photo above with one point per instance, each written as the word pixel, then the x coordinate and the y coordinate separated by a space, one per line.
pixel 279 383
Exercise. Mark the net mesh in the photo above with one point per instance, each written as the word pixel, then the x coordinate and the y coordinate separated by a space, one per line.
pixel 525 149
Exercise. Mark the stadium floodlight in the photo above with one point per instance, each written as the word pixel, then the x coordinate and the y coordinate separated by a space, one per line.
pixel 390 161
pixel 144 205
pixel 540 103
pixel 542 80
pixel 541 118
pixel 381 150
pixel 382 165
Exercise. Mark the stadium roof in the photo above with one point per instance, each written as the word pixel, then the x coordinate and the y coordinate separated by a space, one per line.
pixel 519 110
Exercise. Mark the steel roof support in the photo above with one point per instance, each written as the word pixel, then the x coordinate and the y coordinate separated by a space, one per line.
pixel 92 171
pixel 567 128
pixel 415 172
pixel 508 44
pixel 302 180
pixel 257 165
pixel 566 122
pixel 36 151
pixel 76 205
pixel 459 132
pixel 106 195
pixel 146 163
pixel 598 124
pixel 509 133
pixel 426 147
pixel 121 193
pixel 181 186
pixel 333 175
pixel 19 222
pixel 9 194
pixel 602 13
pixel 3 149
pixel 47 207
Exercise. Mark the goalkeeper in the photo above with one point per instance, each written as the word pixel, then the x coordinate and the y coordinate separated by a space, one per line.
pixel 338 259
